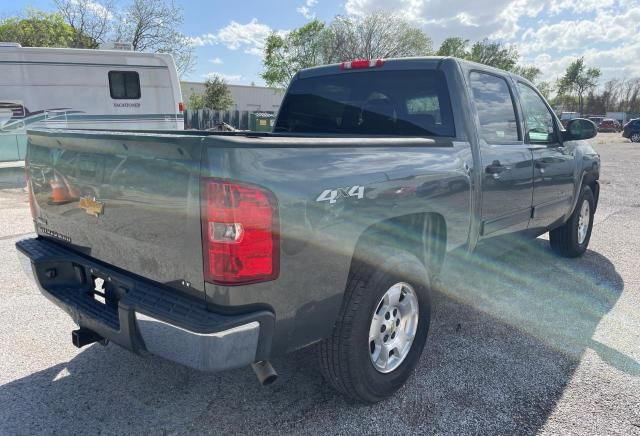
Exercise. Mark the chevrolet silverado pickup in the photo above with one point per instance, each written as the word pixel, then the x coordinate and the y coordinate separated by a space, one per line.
pixel 219 250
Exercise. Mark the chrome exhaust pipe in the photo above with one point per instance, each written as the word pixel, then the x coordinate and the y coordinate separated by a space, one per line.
pixel 265 372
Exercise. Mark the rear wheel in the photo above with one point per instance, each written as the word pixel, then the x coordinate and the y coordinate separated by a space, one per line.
pixel 635 137
pixel 572 238
pixel 381 329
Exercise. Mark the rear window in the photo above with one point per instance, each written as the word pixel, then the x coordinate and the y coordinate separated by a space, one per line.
pixel 124 85
pixel 394 103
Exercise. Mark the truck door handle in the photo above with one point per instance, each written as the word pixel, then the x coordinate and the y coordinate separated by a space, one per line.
pixel 495 168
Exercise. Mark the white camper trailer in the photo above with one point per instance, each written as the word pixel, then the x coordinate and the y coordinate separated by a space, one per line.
pixel 87 89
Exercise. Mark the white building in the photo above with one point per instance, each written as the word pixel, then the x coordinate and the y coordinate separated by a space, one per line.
pixel 245 97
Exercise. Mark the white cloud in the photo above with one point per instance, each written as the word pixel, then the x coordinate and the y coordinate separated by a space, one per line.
pixel 441 18
pixel 229 78
pixel 549 34
pixel 305 9
pixel 202 40
pixel 566 35
pixel 616 62
pixel 99 10
pixel 249 37
pixel 579 7
pixel 608 40
pixel 216 61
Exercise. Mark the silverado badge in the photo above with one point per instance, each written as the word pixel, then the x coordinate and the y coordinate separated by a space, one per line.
pixel 91 205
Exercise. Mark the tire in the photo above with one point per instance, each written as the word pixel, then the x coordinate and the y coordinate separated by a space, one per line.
pixel 345 357
pixel 568 240
pixel 635 137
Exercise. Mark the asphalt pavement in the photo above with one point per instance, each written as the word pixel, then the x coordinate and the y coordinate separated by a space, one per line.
pixel 521 343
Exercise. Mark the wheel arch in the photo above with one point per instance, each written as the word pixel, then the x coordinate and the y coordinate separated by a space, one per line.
pixel 422 234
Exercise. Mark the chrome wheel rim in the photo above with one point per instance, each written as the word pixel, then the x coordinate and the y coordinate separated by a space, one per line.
pixel 635 137
pixel 393 327
pixel 583 222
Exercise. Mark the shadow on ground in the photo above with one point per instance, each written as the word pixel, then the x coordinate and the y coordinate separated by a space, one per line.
pixel 507 335
pixel 12 178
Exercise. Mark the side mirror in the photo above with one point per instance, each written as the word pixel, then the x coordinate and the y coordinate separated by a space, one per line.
pixel 580 128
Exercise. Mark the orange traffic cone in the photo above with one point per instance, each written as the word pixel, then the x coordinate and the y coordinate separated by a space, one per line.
pixel 59 193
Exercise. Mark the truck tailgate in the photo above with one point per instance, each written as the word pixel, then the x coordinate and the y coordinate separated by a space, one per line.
pixel 131 201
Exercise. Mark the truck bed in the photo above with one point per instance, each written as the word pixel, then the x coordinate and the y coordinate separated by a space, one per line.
pixel 132 200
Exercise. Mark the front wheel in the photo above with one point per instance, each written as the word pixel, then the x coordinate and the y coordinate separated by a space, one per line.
pixel 381 329
pixel 572 238
pixel 635 137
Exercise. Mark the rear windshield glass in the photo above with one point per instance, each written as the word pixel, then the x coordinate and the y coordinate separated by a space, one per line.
pixel 396 103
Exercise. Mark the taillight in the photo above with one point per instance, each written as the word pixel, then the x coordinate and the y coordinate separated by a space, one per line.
pixel 181 107
pixel 239 233
pixel 361 64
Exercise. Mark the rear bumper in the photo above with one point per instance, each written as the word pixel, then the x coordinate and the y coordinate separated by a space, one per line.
pixel 144 316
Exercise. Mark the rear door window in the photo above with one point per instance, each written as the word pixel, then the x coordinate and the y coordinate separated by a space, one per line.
pixel 124 85
pixel 495 107
pixel 390 103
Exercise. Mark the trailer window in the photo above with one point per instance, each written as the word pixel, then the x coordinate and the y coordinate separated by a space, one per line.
pixel 389 103
pixel 124 84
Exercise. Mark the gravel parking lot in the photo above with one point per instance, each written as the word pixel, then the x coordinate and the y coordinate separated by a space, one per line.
pixel 522 343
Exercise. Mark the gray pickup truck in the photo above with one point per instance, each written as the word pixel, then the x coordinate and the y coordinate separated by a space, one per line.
pixel 226 249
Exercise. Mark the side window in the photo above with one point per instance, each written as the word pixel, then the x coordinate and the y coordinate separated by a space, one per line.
pixel 498 121
pixel 540 128
pixel 124 85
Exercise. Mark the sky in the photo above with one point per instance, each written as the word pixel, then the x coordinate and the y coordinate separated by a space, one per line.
pixel 229 35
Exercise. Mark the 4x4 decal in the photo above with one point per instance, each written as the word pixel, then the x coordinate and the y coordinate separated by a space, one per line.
pixel 333 195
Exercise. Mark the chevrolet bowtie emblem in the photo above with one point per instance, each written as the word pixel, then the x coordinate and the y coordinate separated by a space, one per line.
pixel 91 205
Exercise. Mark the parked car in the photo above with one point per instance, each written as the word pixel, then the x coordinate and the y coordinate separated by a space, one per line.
pixel 565 117
pixel 609 125
pixel 596 119
pixel 632 130
pixel 218 250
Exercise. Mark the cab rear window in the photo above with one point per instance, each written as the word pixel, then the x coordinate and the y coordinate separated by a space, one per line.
pixel 389 103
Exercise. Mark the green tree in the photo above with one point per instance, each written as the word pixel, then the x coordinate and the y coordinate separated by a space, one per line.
pixel 196 101
pixel 41 29
pixel 491 53
pixel 216 96
pixel 152 26
pixel 374 36
pixel 346 38
pixel 494 54
pixel 545 89
pixel 284 55
pixel 578 79
pixel 530 73
pixel 454 46
pixel 92 18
